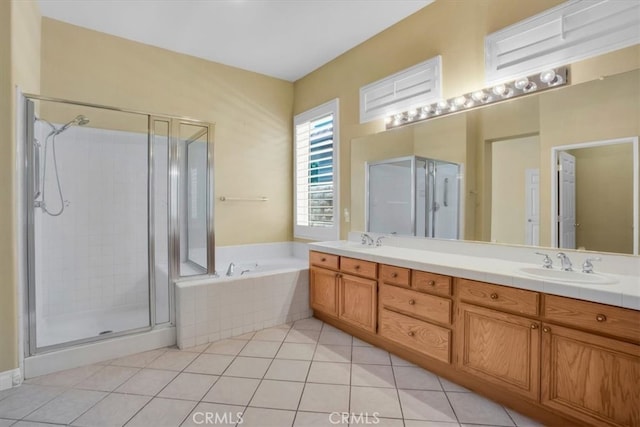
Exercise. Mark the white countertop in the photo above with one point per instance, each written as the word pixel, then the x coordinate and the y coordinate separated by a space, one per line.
pixel 624 293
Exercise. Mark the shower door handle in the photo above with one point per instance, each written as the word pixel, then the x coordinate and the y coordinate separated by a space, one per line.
pixel 36 169
pixel 445 202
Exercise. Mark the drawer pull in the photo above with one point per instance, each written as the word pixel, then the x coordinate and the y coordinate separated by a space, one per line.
pixel 411 333
pixel 534 326
pixel 601 318
pixel 494 296
pixel 394 275
pixel 546 329
pixel 357 267
pixel 431 283
pixel 323 259
pixel 412 302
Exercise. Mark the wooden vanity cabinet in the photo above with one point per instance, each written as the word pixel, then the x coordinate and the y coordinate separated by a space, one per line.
pixel 500 348
pixel 358 295
pixel 589 377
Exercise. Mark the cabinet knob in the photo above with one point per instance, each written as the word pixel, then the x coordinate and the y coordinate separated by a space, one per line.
pixel 534 326
pixel 411 333
pixel 357 267
pixel 601 318
pixel 494 296
pixel 431 283
pixel 323 259
pixel 394 275
pixel 412 302
pixel 546 329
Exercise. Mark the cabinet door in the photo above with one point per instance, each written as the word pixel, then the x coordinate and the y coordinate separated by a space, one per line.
pixel 323 290
pixel 500 348
pixel 592 378
pixel 358 299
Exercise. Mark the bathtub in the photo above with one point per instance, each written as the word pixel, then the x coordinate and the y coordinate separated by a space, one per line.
pixel 269 286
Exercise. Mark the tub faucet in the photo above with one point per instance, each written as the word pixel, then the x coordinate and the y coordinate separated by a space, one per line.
pixel 566 262
pixel 365 239
pixel 232 266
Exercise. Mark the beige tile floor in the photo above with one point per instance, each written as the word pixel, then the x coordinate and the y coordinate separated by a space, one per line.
pixel 283 376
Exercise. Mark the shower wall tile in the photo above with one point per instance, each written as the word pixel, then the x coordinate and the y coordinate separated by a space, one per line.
pixel 94 255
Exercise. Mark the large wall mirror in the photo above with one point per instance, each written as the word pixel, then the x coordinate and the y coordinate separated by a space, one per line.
pixel 515 166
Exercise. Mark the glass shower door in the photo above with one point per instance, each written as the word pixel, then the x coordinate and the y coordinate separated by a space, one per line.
pixel 89 246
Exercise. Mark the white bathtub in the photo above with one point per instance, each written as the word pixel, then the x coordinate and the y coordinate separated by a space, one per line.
pixel 273 292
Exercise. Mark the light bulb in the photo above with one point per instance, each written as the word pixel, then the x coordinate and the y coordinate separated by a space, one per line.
pixel 412 113
pixel 521 83
pixel 480 96
pixel 460 101
pixel 547 76
pixel 388 120
pixel 500 90
pixel 443 105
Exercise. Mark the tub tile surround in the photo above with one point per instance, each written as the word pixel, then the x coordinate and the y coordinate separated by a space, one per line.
pixel 210 309
pixel 266 392
pixel 497 264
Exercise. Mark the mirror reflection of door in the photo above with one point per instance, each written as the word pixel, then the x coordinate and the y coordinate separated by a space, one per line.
pixel 595 194
pixel 566 200
pixel 515 165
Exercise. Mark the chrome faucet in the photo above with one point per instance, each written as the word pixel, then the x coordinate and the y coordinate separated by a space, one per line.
pixel 566 262
pixel 547 262
pixel 365 239
pixel 232 267
pixel 379 240
pixel 587 267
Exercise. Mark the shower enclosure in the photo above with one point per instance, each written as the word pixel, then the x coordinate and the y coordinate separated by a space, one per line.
pixel 118 205
pixel 413 196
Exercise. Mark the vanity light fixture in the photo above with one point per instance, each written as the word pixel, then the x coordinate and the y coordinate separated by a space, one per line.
pixel 548 79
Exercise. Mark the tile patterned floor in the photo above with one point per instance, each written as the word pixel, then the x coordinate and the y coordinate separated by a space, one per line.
pixel 283 376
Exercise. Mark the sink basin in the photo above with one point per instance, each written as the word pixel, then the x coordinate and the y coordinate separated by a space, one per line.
pixel 567 276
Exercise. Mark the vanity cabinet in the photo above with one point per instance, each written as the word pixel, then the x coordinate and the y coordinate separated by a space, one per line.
pixel 554 358
pixel 344 288
pixel 500 348
pixel 592 378
pixel 358 295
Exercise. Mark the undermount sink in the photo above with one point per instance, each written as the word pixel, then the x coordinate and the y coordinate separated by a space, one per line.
pixel 567 276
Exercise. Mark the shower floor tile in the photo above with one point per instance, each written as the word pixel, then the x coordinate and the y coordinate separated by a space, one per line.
pixel 282 376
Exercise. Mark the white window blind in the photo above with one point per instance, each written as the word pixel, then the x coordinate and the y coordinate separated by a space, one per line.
pixel 315 165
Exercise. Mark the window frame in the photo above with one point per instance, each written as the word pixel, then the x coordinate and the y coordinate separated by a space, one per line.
pixel 306 231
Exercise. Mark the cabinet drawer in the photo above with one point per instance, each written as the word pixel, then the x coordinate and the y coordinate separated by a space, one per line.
pixel 324 260
pixel 359 267
pixel 395 275
pixel 428 307
pixel 605 319
pixel 499 297
pixel 432 340
pixel 431 283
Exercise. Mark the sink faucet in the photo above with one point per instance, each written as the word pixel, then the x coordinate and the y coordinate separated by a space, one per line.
pixel 232 267
pixel 547 262
pixel 587 267
pixel 365 239
pixel 379 240
pixel 566 262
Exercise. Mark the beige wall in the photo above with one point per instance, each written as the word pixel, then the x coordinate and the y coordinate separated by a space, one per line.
pixel 510 159
pixel 252 114
pixel 19 66
pixel 604 196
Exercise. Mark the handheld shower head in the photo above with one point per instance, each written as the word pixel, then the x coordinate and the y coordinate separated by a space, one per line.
pixel 79 120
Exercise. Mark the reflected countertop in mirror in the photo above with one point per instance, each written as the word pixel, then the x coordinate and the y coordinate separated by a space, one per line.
pixel 509 191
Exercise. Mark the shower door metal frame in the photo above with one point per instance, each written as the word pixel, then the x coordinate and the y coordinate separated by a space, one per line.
pixel 30 325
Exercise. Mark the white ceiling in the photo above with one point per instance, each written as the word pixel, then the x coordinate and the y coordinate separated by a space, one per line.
pixel 286 39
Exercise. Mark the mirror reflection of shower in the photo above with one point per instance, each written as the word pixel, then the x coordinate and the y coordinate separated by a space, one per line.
pixel 50 141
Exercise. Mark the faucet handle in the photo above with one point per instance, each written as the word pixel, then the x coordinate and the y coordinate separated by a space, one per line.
pixel 547 262
pixel 587 266
pixel 379 240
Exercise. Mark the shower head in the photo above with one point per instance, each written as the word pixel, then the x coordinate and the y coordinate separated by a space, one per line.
pixel 77 121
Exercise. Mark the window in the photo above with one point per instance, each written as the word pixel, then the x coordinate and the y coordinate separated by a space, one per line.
pixel 316 213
